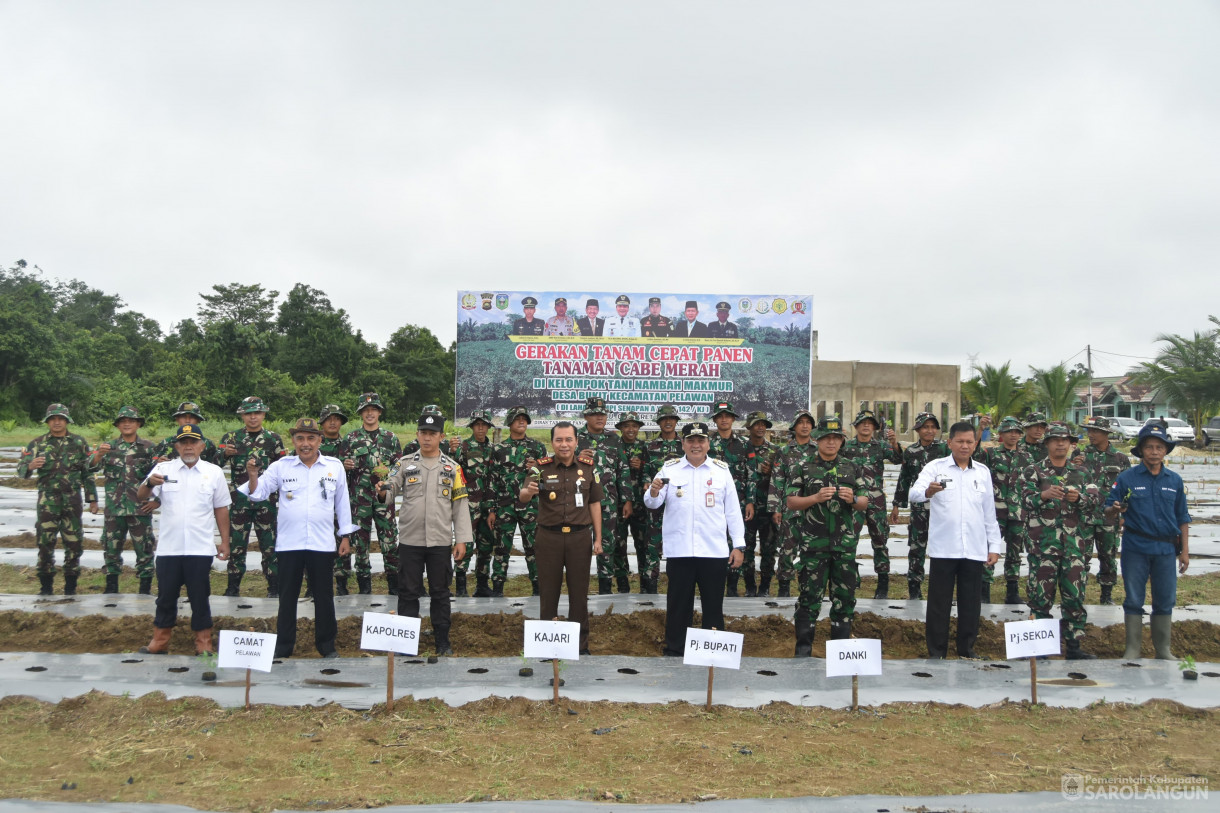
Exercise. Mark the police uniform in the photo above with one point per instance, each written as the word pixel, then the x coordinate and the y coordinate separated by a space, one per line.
pixel 561 325
pixel 566 496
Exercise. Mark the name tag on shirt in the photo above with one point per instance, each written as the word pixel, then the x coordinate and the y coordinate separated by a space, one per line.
pixel 710 499
pixel 580 500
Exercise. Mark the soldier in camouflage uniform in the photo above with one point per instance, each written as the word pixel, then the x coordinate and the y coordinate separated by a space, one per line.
pixel 511 461
pixel 124 464
pixel 665 446
pixel 1035 428
pixel 615 474
pixel 331 419
pixel 1006 463
pixel 245 517
pixel 1058 498
pixel 728 446
pixel 367 449
pixel 798 448
pixel 823 490
pixel 188 412
pixel 1103 463
pixel 635 450
pixel 870 453
pixel 760 528
pixel 474 454
pixel 914 458
pixel 60 461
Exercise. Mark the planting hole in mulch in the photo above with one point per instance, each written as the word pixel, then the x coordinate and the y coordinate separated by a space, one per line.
pixel 179 669
pixel 767 673
pixel 478 670
pixel 628 671
pixel 329 671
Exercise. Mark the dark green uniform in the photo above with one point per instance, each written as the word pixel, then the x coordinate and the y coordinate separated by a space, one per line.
pixel 871 458
pixel 637 524
pixel 165 451
pixel 760 531
pixel 508 472
pixel 369 450
pixel 793 454
pixel 474 458
pixel 60 480
pixel 733 450
pixel 1006 467
pixel 659 451
pixel 124 467
pixel 914 458
pixel 615 478
pixel 1102 469
pixel 247 517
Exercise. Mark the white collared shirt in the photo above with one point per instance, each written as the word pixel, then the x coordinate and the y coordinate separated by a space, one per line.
pixel 188 520
pixel 312 499
pixel 621 326
pixel 961 523
pixel 697 521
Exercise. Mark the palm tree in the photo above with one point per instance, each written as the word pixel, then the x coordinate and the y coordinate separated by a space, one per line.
pixel 1187 373
pixel 995 392
pixel 1054 388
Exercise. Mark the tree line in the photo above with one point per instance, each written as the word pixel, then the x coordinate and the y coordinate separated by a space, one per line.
pixel 68 342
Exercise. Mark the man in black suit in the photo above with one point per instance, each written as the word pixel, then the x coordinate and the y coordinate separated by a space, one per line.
pixel 590 324
pixel 690 327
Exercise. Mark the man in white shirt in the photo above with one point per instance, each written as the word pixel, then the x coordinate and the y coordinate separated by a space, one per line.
pixel 194 500
pixel 622 324
pixel 313 500
pixel 963 537
pixel 701 510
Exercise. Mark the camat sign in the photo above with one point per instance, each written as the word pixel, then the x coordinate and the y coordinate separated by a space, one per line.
pixel 550 350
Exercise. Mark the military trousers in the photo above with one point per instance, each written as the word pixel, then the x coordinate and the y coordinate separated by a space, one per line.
pixel 606 568
pixel 508 519
pixel 383 519
pixel 877 521
pixel 1013 534
pixel 59 517
pixel 760 535
pixel 1102 541
pixel 637 527
pixel 917 542
pixel 480 552
pixel 1061 566
pixel 246 518
pixel 787 542
pixel 139 528
pixel 828 568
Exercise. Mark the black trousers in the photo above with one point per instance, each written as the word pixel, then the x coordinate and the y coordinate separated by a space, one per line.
pixel 173 572
pixel 943 575
pixel 293 565
pixel 684 573
pixel 413 560
pixel 554 553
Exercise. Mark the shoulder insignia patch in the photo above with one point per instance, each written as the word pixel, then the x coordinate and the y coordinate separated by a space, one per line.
pixel 717 461
pixel 671 461
pixel 542 461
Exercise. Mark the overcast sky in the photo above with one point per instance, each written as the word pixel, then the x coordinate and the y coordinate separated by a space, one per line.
pixel 1013 180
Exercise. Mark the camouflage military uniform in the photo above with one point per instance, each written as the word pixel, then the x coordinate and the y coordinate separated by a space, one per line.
pixel 60 480
pixel 793 454
pixel 165 449
pixel 1102 469
pixel 637 524
pixel 369 450
pixel 124 467
pixel 615 475
pixel 914 458
pixel 247 517
pixel 659 451
pixel 1034 451
pixel 760 531
pixel 1053 529
pixel 474 458
pixel 871 458
pixel 734 450
pixel 508 473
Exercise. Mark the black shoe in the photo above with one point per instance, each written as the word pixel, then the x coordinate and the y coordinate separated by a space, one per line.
pixel 751 588
pixel 330 655
pixel 585 651
pixel 234 587
pixel 70 585
pixel 536 593
pixel 985 593
pixel 444 649
pixel 45 585
pixel 605 587
pixel 624 584
pixel 112 584
pixel 364 585
pixel 1075 653
pixel 914 591
pixel 481 589
pixel 730 585
pixel 1107 597
pixel 497 588
pixel 840 630
pixel 441 638
pixel 883 586
pixel 273 586
pixel 391 585
pixel 764 585
pixel 804 634
pixel 459 584
pixel 146 586
pixel 969 655
pixel 784 589
pixel 340 585
pixel 1013 593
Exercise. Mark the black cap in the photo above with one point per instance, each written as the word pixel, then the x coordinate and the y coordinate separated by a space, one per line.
pixel 690 303
pixel 431 420
pixel 623 299
pixel 188 431
pixel 592 303
pixel 654 300
pixel 723 306
pixel 529 302
pixel 697 429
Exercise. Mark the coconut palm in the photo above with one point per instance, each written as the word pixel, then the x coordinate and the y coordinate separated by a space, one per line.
pixel 995 392
pixel 1054 388
pixel 1187 373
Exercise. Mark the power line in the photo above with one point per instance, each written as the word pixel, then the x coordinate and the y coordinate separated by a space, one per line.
pixel 1124 355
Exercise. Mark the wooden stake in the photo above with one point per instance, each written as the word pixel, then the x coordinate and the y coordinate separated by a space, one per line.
pixel 555 682
pixel 247 690
pixel 855 692
pixel 710 671
pixel 1033 680
pixel 389 680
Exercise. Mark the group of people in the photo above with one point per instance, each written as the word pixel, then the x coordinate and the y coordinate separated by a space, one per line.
pixel 652 326
pixel 724 508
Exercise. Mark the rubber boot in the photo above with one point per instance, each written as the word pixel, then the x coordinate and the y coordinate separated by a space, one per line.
pixel 883 586
pixel 751 588
pixel 159 644
pixel 1075 653
pixel 497 588
pixel 1107 594
pixel 1135 636
pixel 914 591
pixel 459 584
pixel 273 586
pixel 644 583
pixel 203 642
pixel 112 584
pixel 840 630
pixel 730 584
pixel 234 588
pixel 535 583
pixel 784 591
pixel 481 590
pixel 391 583
pixel 146 586
pixel 985 593
pixel 364 585
pixel 1162 626
pixel 764 585
pixel 340 585
pixel 604 587
pixel 1013 594
pixel 804 634
pixel 46 583
pixel 70 585
pixel 441 637
pixel 624 584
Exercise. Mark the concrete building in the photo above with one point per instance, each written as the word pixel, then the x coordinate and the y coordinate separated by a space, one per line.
pixel 897 392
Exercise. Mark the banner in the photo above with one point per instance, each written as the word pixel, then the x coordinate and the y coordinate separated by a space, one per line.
pixel 550 350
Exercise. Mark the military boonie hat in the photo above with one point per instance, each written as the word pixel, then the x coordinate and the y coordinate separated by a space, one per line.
pixel 629 417
pixel 755 417
pixel 654 300
pixel 57 410
pixel 594 406
pixel 723 406
pixel 369 399
pixel 332 409
pixel 592 303
pixel 432 409
pixel 188 431
pixel 803 413
pixel 1097 422
pixel 561 299
pixel 128 412
pixel 251 404
pixel 306 425
pixel 1009 423
pixel 667 411
pixel 483 415
pixel 1059 430
pixel 431 420
pixel 866 415
pixel 830 425
pixel 622 299
pixel 517 412
pixel 529 302
pixel 924 417
pixel 189 408
pixel 1153 430
pixel 695 429
pixel 1034 419
pixel 723 306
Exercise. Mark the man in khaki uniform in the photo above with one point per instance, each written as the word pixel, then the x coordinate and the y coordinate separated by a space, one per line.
pixel 434 514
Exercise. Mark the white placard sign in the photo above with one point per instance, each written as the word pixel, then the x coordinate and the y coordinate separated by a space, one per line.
pixel 853 656
pixel 382 632
pixel 1028 639
pixel 552 639
pixel 713 648
pixel 246 650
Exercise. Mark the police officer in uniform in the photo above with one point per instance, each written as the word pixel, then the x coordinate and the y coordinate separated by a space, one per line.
pixel 561 324
pixel 654 325
pixel 722 328
pixel 529 326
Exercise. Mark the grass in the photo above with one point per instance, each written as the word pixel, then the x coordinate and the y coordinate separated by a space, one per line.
pixel 182 751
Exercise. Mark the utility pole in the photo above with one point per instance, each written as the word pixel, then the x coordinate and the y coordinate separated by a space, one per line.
pixel 1088 350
